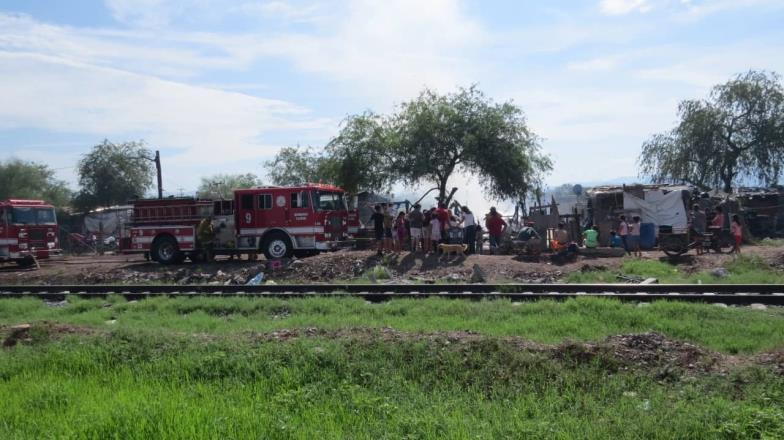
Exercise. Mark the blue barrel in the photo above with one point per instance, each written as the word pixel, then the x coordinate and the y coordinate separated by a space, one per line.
pixel 647 235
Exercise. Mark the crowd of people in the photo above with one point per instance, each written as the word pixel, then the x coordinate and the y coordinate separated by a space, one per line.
pixel 423 230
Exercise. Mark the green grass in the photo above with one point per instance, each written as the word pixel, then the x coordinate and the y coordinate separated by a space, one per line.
pixel 731 330
pixel 776 242
pixel 742 270
pixel 140 384
pixel 192 368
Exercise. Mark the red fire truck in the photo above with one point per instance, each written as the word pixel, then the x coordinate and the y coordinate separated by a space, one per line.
pixel 28 230
pixel 279 222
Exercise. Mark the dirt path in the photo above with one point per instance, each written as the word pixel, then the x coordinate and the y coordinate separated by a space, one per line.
pixel 341 266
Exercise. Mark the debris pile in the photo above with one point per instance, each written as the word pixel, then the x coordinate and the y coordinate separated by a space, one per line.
pixel 654 350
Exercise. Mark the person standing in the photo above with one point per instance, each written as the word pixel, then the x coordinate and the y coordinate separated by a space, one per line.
pixel 634 236
pixel 698 224
pixel 623 232
pixel 416 222
pixel 378 227
pixel 443 219
pixel 401 233
pixel 480 239
pixel 426 218
pixel 496 226
pixel 389 221
pixel 435 232
pixel 737 233
pixel 469 229
pixel 717 224
pixel 205 237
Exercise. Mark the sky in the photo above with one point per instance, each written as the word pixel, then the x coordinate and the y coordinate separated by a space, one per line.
pixel 220 86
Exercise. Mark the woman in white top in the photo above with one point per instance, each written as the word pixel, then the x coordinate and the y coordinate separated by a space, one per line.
pixel 435 233
pixel 469 229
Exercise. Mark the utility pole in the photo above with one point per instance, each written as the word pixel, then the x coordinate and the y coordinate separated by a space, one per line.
pixel 158 169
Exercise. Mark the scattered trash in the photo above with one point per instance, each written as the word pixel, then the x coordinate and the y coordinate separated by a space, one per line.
pixel 650 281
pixel 720 272
pixel 477 274
pixel 256 280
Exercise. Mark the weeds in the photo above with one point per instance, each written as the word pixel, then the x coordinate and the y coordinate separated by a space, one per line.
pixel 146 384
pixel 728 330
pixel 741 270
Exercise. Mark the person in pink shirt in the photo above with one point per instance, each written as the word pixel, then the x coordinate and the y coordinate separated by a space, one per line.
pixel 623 231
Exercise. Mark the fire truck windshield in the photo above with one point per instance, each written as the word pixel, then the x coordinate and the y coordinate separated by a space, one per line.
pixel 329 201
pixel 33 216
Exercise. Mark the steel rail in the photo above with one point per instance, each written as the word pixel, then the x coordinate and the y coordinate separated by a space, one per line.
pixel 769 294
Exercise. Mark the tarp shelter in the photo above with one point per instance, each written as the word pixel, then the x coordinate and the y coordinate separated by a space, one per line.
pixel 659 208
pixel 108 221
pixel 657 204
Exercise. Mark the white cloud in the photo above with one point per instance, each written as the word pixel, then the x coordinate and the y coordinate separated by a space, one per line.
pixel 202 124
pixel 594 64
pixel 622 7
pixel 391 49
pixel 282 10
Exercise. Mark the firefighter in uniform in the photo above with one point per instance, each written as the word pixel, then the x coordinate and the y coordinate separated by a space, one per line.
pixel 205 235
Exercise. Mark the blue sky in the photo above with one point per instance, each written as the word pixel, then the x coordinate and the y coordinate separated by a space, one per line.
pixel 220 86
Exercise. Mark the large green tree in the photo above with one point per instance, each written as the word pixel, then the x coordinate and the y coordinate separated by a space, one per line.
pixel 298 165
pixel 361 155
pixel 222 185
pixel 426 140
pixel 112 174
pixel 436 135
pixel 736 133
pixel 29 180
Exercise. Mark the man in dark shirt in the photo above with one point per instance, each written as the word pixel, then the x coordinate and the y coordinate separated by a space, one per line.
pixel 378 227
pixel 415 221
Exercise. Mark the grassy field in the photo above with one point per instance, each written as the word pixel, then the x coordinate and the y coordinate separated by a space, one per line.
pixel 728 330
pixel 193 368
pixel 743 270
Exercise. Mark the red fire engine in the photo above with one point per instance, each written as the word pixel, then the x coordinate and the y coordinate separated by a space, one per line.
pixel 28 230
pixel 277 221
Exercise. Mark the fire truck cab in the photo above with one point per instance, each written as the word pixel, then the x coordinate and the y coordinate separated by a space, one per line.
pixel 28 230
pixel 279 222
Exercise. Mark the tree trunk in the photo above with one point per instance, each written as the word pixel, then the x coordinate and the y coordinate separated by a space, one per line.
pixel 442 192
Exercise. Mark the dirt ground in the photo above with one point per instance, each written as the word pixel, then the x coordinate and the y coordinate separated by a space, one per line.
pixel 341 266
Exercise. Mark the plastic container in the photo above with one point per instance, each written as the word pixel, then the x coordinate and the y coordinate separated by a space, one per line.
pixel 647 236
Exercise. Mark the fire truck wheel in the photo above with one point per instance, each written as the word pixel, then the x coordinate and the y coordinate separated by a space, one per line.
pixel 277 245
pixel 25 262
pixel 165 251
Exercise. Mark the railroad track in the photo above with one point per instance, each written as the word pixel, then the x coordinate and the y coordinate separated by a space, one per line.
pixel 768 294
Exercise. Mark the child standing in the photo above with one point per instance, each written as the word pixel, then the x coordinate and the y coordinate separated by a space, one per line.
pixel 737 233
pixel 435 232
pixel 633 239
pixel 401 231
pixel 623 231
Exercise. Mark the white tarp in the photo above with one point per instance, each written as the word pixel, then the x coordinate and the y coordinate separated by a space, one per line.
pixel 658 208
pixel 106 222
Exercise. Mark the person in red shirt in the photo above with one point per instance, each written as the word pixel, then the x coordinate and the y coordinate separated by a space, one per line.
pixel 496 226
pixel 443 217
